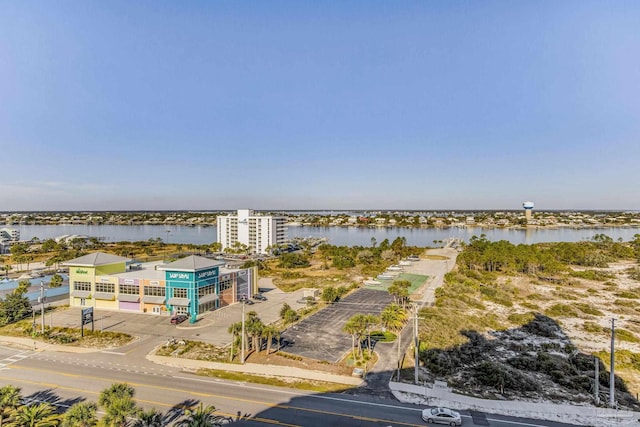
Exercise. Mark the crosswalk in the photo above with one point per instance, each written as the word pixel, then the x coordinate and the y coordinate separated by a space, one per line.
pixel 14 359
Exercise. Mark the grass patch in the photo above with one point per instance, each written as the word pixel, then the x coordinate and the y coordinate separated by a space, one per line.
pixel 67 336
pixel 383 336
pixel 593 327
pixel 416 280
pixel 317 386
pixel 441 328
pixel 625 303
pixel 630 294
pixel 588 309
pixel 624 335
pixel 561 310
pixel 530 305
pixel 436 257
pixel 521 318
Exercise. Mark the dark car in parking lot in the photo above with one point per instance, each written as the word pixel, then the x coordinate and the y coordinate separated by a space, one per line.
pixel 259 297
pixel 178 318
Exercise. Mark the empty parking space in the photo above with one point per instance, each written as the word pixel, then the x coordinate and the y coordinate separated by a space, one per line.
pixel 320 336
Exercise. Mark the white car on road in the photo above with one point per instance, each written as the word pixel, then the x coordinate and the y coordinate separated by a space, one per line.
pixel 442 416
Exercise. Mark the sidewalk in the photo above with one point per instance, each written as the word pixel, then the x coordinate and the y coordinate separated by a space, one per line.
pixel 441 395
pixel 250 368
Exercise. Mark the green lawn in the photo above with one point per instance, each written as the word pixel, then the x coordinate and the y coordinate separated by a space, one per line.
pixel 416 280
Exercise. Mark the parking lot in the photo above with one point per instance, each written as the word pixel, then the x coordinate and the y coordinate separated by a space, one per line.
pixel 320 336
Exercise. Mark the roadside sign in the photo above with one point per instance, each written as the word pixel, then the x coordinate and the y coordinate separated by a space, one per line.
pixel 87 315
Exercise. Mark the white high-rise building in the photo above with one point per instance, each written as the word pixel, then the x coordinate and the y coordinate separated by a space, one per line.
pixel 256 231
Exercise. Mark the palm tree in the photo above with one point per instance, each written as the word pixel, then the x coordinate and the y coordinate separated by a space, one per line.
pixel 254 327
pixel 269 332
pixel 235 330
pixel 370 322
pixel 351 328
pixel 118 404
pixel 40 415
pixel 150 418
pixel 10 399
pixel 81 415
pixel 203 417
pixel 393 318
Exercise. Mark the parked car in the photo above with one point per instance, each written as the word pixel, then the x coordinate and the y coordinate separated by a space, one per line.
pixel 178 318
pixel 442 416
pixel 260 297
pixel 249 302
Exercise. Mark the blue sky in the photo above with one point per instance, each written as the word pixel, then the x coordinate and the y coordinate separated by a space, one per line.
pixel 319 105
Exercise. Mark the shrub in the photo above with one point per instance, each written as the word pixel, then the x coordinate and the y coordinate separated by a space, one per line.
pixel 595 275
pixel 293 261
pixel 500 376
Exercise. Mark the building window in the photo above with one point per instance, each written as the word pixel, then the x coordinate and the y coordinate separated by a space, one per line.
pixel 154 291
pixel 226 284
pixel 207 306
pixel 130 289
pixel 109 288
pixel 180 293
pixel 206 290
pixel 82 286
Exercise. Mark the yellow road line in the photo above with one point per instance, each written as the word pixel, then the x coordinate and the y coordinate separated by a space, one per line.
pixel 199 394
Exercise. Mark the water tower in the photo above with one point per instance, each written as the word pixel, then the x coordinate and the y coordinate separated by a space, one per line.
pixel 528 207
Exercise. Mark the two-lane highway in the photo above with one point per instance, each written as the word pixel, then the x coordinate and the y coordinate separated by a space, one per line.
pixel 63 379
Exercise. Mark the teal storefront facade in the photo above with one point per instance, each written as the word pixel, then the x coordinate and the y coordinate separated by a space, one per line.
pixel 192 286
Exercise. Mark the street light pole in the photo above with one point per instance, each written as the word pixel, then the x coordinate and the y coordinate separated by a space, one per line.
pixel 415 343
pixel 168 250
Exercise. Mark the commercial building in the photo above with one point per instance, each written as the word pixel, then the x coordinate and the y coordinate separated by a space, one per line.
pixel 191 285
pixel 257 232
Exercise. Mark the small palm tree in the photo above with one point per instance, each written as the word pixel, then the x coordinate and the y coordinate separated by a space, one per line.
pixel 81 415
pixel 10 399
pixel 393 318
pixel 40 415
pixel 203 416
pixel 235 330
pixel 118 403
pixel 150 418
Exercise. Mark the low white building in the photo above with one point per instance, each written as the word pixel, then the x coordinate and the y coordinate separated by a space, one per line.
pixel 256 231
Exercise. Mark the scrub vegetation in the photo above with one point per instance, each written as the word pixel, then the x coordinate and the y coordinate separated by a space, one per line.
pixel 524 321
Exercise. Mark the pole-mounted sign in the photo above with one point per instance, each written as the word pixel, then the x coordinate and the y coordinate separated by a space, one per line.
pixel 87 317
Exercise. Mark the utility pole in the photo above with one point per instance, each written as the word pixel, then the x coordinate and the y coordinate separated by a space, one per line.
pixel 42 298
pixel 596 386
pixel 415 343
pixel 612 377
pixel 242 338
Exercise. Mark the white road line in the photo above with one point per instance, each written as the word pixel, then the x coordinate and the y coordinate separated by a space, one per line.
pixel 357 402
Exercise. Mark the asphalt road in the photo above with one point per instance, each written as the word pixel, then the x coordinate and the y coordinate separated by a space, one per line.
pixel 67 378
